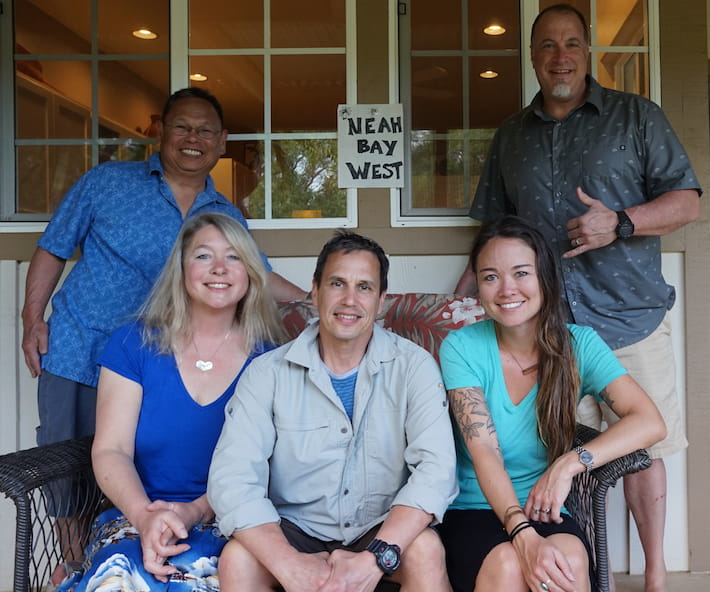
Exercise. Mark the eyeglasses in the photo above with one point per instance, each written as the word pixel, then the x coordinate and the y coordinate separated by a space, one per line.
pixel 205 133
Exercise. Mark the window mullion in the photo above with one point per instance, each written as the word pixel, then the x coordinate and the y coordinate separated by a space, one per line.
pixel 179 44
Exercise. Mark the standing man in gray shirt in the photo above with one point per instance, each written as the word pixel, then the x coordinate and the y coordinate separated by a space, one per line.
pixel 602 175
pixel 337 451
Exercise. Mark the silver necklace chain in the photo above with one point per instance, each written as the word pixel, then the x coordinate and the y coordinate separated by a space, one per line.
pixel 208 364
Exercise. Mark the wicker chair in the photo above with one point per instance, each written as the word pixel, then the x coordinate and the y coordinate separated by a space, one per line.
pixel 32 478
pixel 587 500
pixel 42 481
pixel 27 476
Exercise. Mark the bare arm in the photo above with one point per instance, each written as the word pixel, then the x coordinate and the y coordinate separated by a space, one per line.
pixel 160 524
pixel 359 571
pixel 295 571
pixel 664 214
pixel 283 290
pixel 42 277
pixel 640 426
pixel 539 559
pixel 467 282
pixel 471 413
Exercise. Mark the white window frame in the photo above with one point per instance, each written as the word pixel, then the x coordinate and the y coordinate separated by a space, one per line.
pixel 528 12
pixel 180 73
pixel 179 78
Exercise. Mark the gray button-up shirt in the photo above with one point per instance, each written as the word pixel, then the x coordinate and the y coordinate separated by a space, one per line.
pixel 288 448
pixel 620 149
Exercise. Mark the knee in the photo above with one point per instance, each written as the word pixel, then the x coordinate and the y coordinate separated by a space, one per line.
pixel 579 563
pixel 507 562
pixel 425 554
pixel 236 562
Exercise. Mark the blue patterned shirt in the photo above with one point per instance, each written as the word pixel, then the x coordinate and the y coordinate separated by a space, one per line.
pixel 124 218
pixel 619 148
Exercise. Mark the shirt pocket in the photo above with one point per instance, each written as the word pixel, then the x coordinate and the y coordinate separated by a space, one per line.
pixel 386 445
pixel 301 452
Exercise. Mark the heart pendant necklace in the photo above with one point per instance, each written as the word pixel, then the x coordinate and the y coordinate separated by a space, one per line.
pixel 207 365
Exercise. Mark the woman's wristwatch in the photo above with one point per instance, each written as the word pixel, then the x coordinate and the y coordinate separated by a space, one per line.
pixel 585 457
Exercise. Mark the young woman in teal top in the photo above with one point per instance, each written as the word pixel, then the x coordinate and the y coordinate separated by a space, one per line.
pixel 514 382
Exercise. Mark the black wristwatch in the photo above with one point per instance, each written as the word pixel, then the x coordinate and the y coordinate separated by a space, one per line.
pixel 625 227
pixel 387 556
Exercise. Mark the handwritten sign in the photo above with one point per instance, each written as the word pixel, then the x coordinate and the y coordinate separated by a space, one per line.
pixel 370 146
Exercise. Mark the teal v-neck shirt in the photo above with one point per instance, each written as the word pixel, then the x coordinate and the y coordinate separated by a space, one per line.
pixel 470 358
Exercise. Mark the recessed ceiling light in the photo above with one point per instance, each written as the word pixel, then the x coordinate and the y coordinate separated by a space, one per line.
pixel 494 30
pixel 145 34
pixel 198 77
pixel 488 74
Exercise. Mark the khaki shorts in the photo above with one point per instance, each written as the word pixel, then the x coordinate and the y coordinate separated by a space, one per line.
pixel 650 362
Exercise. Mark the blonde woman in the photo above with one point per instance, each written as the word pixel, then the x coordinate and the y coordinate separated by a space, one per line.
pixel 165 380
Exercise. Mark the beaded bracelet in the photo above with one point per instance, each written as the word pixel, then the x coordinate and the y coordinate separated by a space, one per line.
pixel 520 526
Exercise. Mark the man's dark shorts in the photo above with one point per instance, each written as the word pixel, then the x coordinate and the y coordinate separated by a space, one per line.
pixel 67 410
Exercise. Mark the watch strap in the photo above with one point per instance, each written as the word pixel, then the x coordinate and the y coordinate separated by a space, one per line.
pixel 625 227
pixel 379 549
pixel 581 454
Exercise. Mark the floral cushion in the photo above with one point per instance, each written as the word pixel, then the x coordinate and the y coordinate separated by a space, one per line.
pixel 425 319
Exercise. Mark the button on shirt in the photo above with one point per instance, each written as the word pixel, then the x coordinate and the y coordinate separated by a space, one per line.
pixel 620 149
pixel 125 219
pixel 288 448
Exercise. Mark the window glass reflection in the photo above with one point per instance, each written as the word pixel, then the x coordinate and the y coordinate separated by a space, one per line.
pixel 219 24
pixel 306 91
pixel 621 22
pixel 436 25
pixel 118 20
pixel 44 26
pixel 45 173
pixel 627 71
pixel 504 14
pixel 436 93
pixel 238 84
pixel 43 111
pixel 438 171
pixel 308 23
pixel 129 96
pixel 239 176
pixel 305 180
pixel 493 100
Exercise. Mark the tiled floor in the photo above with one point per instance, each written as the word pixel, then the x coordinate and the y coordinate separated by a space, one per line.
pixel 677 582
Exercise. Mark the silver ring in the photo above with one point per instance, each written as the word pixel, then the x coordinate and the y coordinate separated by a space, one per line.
pixel 536 510
pixel 544 586
pixel 547 511
pixel 577 242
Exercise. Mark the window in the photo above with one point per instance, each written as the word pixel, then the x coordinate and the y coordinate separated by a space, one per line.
pixel 87 90
pixel 462 73
pixel 281 69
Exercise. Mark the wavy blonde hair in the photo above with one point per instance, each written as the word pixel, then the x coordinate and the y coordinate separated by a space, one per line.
pixel 165 315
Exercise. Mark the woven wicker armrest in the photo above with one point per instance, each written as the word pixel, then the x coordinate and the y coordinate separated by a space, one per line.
pixel 25 470
pixel 612 471
pixel 56 498
pixel 587 499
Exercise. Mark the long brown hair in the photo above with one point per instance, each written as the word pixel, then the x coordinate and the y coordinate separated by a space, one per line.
pixel 558 376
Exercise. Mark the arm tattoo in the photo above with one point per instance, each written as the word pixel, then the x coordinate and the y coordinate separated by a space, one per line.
pixel 469 408
pixel 606 397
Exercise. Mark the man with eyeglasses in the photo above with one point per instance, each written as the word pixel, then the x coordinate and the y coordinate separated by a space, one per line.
pixel 124 217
